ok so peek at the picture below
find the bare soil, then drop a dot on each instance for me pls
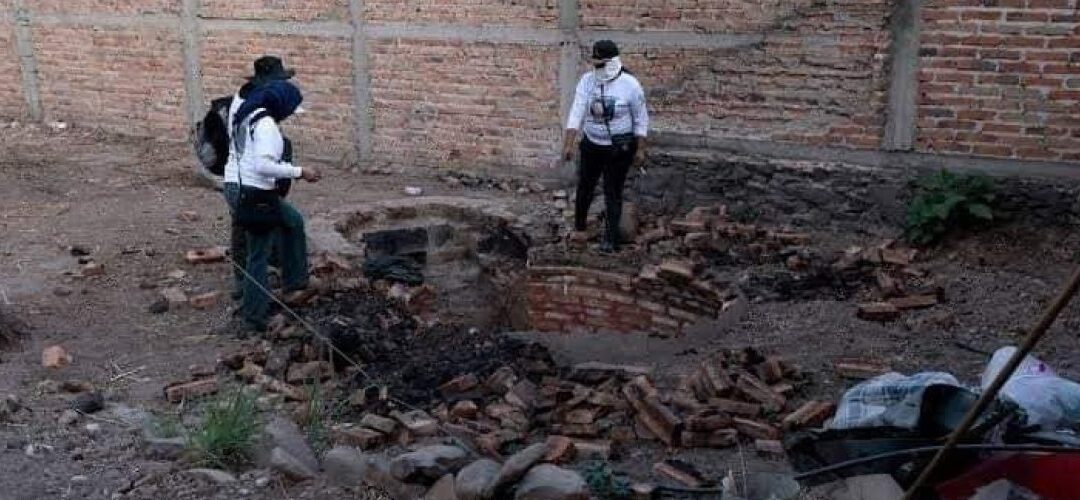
(119, 199)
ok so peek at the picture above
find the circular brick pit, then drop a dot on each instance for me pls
(578, 299)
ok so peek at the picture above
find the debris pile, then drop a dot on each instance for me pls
(477, 181)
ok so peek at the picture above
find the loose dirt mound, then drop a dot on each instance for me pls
(411, 360)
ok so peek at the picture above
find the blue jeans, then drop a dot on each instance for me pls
(291, 241)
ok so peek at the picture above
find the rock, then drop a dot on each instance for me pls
(88, 402)
(292, 467)
(283, 433)
(165, 448)
(68, 418)
(377, 475)
(344, 466)
(418, 422)
(428, 464)
(55, 357)
(213, 475)
(515, 467)
(443, 489)
(381, 424)
(471, 482)
(464, 409)
(360, 437)
(174, 296)
(548, 482)
(178, 392)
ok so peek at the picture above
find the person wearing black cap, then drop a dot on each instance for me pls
(267, 69)
(611, 103)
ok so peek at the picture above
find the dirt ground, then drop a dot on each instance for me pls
(120, 199)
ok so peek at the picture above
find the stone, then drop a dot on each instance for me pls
(292, 467)
(93, 269)
(303, 373)
(381, 424)
(428, 464)
(548, 482)
(344, 466)
(377, 475)
(417, 422)
(471, 481)
(443, 489)
(55, 357)
(363, 438)
(68, 418)
(176, 393)
(283, 433)
(515, 467)
(459, 385)
(213, 475)
(88, 402)
(678, 271)
(523, 395)
(164, 448)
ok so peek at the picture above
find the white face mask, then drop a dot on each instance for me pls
(610, 69)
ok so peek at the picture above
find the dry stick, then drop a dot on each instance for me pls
(1048, 317)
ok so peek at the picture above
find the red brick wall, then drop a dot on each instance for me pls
(574, 299)
(1001, 78)
(738, 16)
(292, 10)
(127, 7)
(324, 74)
(536, 13)
(452, 104)
(121, 79)
(12, 102)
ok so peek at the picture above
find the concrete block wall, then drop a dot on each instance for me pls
(486, 83)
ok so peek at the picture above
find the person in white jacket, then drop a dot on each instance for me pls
(611, 103)
(258, 145)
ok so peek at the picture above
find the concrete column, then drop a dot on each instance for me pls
(365, 123)
(903, 77)
(569, 52)
(191, 30)
(24, 47)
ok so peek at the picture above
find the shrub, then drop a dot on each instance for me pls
(228, 431)
(945, 201)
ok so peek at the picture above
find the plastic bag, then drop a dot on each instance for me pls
(1051, 402)
(864, 405)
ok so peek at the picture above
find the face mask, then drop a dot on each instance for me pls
(608, 70)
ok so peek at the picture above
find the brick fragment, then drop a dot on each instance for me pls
(735, 407)
(205, 255)
(205, 300)
(561, 450)
(176, 393)
(914, 302)
(365, 439)
(860, 369)
(878, 311)
(680, 471)
(755, 429)
(720, 438)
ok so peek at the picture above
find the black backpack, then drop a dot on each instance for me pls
(211, 138)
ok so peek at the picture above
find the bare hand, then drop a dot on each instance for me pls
(639, 158)
(310, 174)
(568, 153)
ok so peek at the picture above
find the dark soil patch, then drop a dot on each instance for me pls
(409, 359)
(11, 329)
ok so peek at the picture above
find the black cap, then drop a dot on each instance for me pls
(605, 49)
(268, 68)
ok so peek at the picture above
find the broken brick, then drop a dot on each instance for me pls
(188, 216)
(708, 420)
(464, 409)
(302, 373)
(581, 416)
(810, 414)
(878, 311)
(889, 287)
(501, 381)
(898, 256)
(205, 255)
(577, 430)
(860, 370)
(785, 389)
(755, 429)
(769, 447)
(205, 300)
(93, 269)
(176, 393)
(677, 271)
(274, 385)
(681, 472)
(735, 407)
(365, 439)
(561, 450)
(417, 422)
(720, 438)
(755, 389)
(699, 241)
(914, 302)
(717, 380)
(459, 385)
(55, 357)
(772, 370)
(594, 372)
(688, 226)
(793, 239)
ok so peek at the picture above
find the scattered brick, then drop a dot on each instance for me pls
(860, 369)
(914, 302)
(55, 357)
(459, 385)
(206, 255)
(678, 271)
(735, 407)
(878, 311)
(720, 438)
(205, 300)
(755, 429)
(680, 471)
(176, 393)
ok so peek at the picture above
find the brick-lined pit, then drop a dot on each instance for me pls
(576, 299)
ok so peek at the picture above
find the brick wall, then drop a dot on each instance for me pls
(1001, 78)
(575, 299)
(324, 74)
(122, 79)
(464, 104)
(998, 78)
(11, 96)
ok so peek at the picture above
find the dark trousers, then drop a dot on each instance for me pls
(291, 242)
(598, 161)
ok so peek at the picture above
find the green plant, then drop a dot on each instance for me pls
(604, 483)
(944, 201)
(165, 426)
(227, 432)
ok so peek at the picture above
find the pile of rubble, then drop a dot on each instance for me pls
(476, 181)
